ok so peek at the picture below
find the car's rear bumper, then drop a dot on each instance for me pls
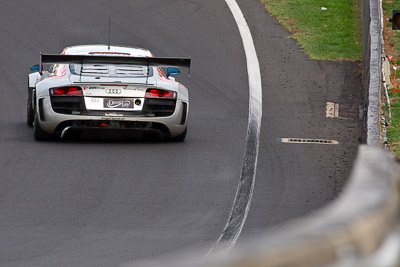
(55, 123)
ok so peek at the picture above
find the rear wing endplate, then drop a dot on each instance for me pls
(145, 61)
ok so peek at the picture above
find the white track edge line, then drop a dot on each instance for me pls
(229, 237)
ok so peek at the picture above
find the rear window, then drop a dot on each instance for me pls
(111, 70)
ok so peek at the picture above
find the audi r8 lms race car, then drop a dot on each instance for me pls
(100, 88)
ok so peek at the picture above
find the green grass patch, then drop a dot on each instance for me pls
(393, 131)
(332, 34)
(392, 47)
(388, 7)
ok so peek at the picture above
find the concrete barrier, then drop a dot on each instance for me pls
(372, 80)
(359, 229)
(352, 228)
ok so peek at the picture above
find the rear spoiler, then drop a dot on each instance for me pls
(146, 61)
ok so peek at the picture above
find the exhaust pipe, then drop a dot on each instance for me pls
(64, 131)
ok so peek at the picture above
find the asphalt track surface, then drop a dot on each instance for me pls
(106, 203)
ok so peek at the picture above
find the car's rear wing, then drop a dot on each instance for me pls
(145, 61)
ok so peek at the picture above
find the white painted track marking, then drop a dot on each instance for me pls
(244, 191)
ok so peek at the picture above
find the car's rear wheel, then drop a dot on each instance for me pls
(38, 132)
(30, 112)
(181, 137)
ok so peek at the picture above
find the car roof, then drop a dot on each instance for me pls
(102, 49)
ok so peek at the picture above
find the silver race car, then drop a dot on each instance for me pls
(100, 88)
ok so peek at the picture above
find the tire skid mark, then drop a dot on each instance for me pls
(244, 192)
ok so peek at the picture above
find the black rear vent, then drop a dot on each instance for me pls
(41, 113)
(159, 107)
(184, 113)
(68, 104)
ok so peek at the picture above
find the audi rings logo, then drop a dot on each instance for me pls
(113, 91)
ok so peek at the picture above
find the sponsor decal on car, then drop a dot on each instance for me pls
(118, 103)
(94, 88)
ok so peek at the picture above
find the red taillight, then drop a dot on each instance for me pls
(58, 91)
(74, 91)
(66, 91)
(159, 93)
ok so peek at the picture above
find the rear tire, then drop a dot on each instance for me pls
(30, 112)
(181, 137)
(38, 132)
